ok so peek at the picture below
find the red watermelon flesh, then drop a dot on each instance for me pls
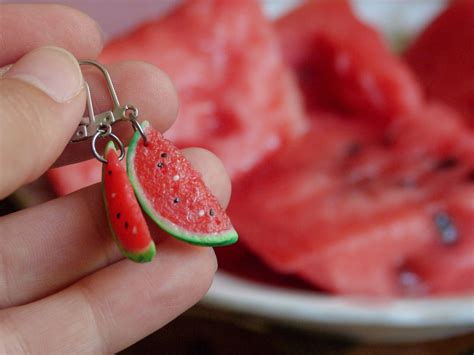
(443, 58)
(343, 65)
(236, 95)
(126, 220)
(362, 205)
(173, 194)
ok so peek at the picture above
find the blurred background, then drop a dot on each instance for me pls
(318, 78)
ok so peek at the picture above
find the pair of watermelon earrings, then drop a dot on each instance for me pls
(157, 179)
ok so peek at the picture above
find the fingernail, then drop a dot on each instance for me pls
(52, 70)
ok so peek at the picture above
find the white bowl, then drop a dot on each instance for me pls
(403, 320)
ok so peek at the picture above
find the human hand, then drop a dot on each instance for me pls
(63, 284)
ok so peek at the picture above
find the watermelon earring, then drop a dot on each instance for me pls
(168, 189)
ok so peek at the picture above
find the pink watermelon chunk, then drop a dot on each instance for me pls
(173, 194)
(126, 220)
(343, 65)
(357, 210)
(237, 98)
(443, 58)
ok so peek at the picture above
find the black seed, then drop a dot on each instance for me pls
(212, 213)
(109, 172)
(353, 149)
(118, 215)
(407, 182)
(176, 200)
(447, 163)
(164, 155)
(160, 165)
(470, 176)
(126, 225)
(446, 228)
(388, 140)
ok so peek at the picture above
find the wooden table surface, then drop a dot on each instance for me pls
(205, 331)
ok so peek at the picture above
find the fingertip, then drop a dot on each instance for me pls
(166, 96)
(212, 171)
(75, 20)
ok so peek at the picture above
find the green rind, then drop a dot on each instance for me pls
(212, 240)
(139, 257)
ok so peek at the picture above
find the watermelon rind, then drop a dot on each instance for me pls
(142, 256)
(224, 238)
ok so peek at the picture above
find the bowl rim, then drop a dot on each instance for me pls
(234, 293)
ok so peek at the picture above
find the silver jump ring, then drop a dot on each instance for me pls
(137, 127)
(101, 134)
(132, 117)
(133, 114)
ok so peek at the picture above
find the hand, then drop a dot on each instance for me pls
(63, 285)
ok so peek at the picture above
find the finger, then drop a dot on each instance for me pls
(48, 247)
(113, 308)
(137, 83)
(212, 171)
(26, 27)
(41, 102)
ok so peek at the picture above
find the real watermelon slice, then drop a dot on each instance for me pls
(173, 194)
(343, 65)
(443, 58)
(237, 97)
(126, 221)
(369, 209)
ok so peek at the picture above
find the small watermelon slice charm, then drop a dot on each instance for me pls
(173, 194)
(126, 220)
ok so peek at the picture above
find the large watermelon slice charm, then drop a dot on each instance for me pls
(173, 194)
(126, 220)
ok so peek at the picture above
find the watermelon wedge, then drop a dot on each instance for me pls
(387, 213)
(443, 58)
(126, 221)
(343, 65)
(173, 194)
(237, 97)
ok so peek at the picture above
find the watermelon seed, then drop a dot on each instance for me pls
(407, 182)
(388, 140)
(446, 227)
(126, 225)
(164, 155)
(160, 165)
(212, 213)
(353, 149)
(470, 176)
(201, 213)
(447, 163)
(176, 200)
(118, 215)
(109, 172)
(176, 178)
(411, 283)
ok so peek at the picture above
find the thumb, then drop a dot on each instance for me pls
(42, 100)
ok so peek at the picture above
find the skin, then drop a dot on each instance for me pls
(64, 287)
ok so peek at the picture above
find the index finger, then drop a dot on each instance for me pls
(25, 27)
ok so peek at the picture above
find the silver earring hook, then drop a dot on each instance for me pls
(108, 79)
(89, 126)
